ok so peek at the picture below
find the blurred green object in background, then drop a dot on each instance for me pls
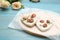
(11, 1)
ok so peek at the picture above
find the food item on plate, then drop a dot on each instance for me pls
(33, 15)
(16, 5)
(29, 20)
(47, 21)
(42, 21)
(44, 24)
(25, 17)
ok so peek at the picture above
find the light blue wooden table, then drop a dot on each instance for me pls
(6, 17)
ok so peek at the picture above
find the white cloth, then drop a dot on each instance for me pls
(15, 22)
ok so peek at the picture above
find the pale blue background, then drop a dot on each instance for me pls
(6, 17)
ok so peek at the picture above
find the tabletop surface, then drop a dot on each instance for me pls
(6, 17)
